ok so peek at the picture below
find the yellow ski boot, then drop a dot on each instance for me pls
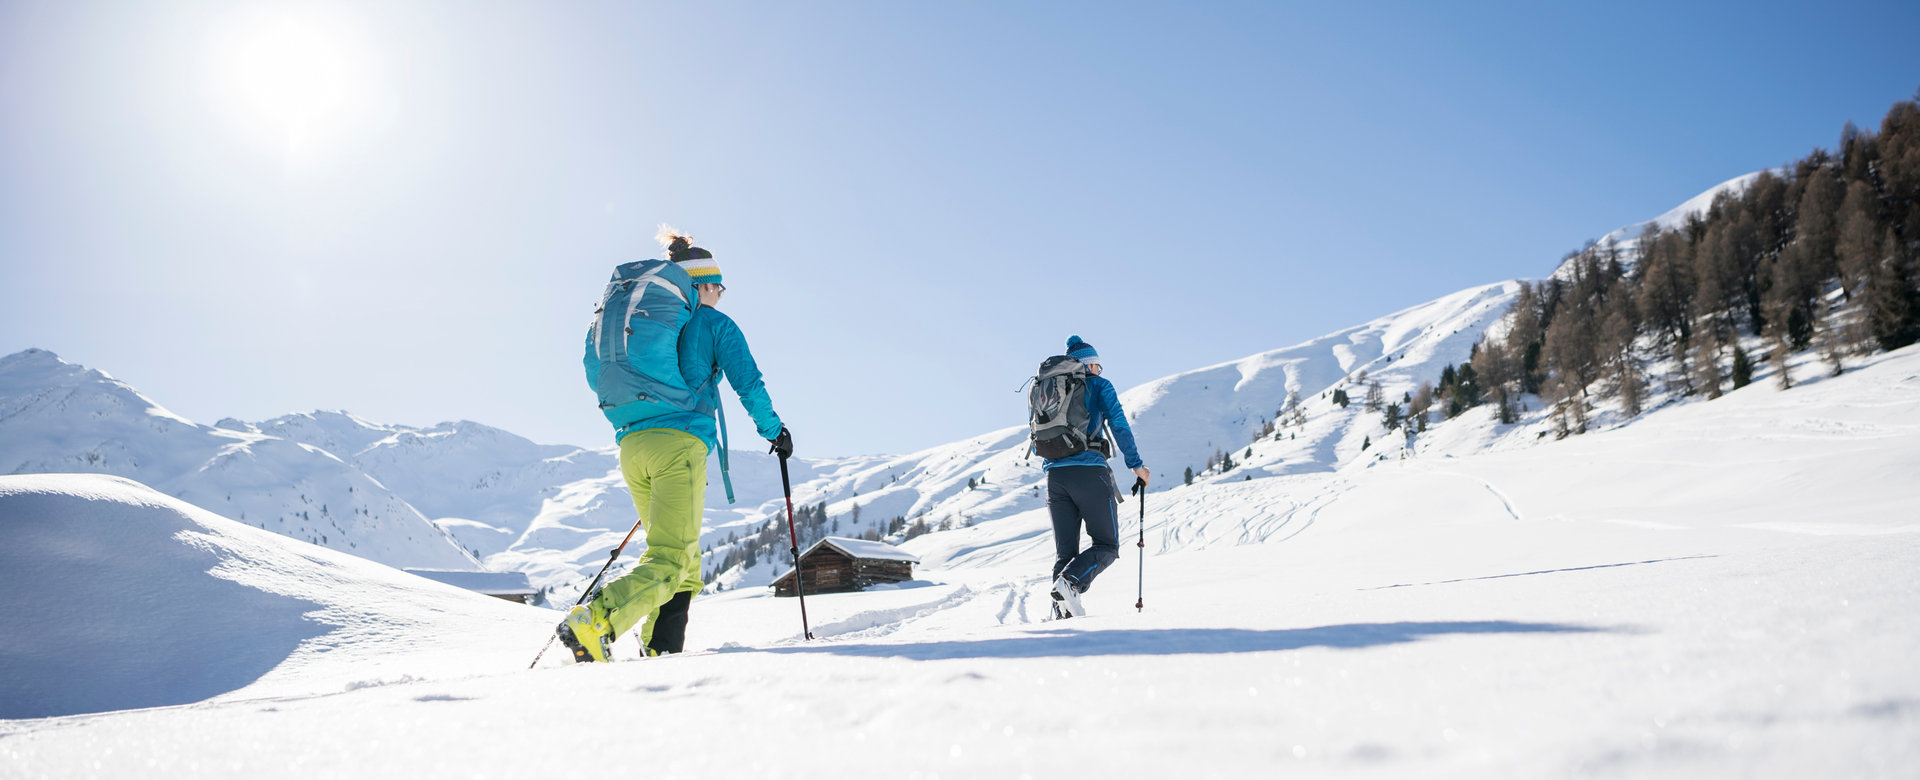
(587, 633)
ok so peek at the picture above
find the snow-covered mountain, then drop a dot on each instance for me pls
(59, 417)
(445, 496)
(480, 483)
(554, 511)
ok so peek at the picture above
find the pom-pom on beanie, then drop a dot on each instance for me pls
(1082, 351)
(697, 262)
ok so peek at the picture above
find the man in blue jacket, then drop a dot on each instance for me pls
(1080, 490)
(664, 461)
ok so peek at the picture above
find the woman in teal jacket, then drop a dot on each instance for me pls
(664, 460)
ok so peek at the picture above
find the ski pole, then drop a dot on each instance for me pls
(799, 588)
(589, 591)
(1140, 600)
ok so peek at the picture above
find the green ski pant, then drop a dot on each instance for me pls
(666, 470)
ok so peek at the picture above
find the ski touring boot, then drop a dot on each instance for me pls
(587, 633)
(1066, 599)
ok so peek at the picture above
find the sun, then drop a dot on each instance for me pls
(294, 80)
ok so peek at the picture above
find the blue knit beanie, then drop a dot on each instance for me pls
(1082, 351)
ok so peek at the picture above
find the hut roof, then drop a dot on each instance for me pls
(491, 583)
(861, 548)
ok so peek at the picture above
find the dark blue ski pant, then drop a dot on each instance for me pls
(1076, 495)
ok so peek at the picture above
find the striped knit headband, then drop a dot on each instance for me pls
(697, 262)
(703, 270)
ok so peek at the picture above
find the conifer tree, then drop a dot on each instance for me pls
(1778, 359)
(1897, 153)
(1421, 402)
(1666, 289)
(1706, 364)
(1742, 368)
(1859, 237)
(1892, 303)
(1830, 349)
(1467, 391)
(1817, 222)
(1632, 389)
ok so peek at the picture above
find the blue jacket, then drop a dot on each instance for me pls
(1103, 407)
(711, 346)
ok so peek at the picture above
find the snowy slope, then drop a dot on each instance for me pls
(60, 417)
(1182, 420)
(1179, 422)
(119, 597)
(1721, 589)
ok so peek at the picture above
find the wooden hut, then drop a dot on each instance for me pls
(837, 564)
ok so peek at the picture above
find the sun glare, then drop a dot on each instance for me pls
(295, 81)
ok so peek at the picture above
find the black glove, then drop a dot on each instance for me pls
(782, 444)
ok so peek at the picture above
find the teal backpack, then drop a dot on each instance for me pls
(633, 345)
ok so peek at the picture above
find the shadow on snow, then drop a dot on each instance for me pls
(1069, 642)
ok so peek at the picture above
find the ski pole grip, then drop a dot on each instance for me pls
(1139, 485)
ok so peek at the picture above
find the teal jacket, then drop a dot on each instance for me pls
(712, 347)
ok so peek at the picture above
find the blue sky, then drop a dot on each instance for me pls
(406, 210)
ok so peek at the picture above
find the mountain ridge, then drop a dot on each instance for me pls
(552, 511)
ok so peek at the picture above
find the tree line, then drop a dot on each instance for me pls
(1823, 255)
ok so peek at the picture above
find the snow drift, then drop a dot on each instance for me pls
(119, 597)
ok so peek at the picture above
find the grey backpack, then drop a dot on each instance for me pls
(1057, 408)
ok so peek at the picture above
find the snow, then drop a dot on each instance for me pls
(119, 597)
(1720, 589)
(860, 548)
(1714, 588)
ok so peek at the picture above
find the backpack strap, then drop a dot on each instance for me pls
(720, 415)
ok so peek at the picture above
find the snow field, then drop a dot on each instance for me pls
(1670, 599)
